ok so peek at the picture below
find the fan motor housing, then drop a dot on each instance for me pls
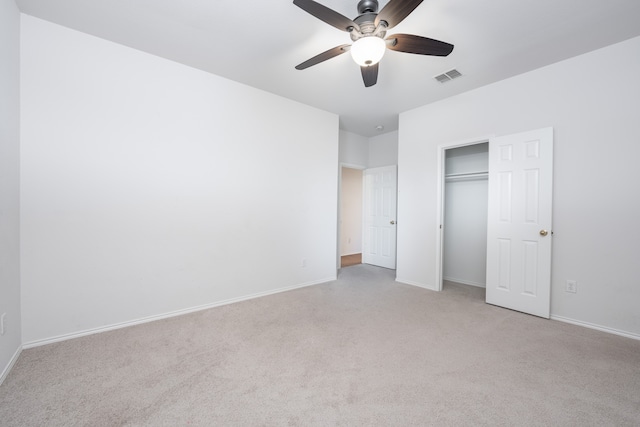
(367, 6)
(367, 25)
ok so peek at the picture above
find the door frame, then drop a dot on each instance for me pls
(440, 194)
(339, 213)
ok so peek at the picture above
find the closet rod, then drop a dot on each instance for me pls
(467, 175)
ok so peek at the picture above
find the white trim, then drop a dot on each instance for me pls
(440, 196)
(465, 282)
(12, 362)
(596, 327)
(416, 284)
(354, 253)
(65, 337)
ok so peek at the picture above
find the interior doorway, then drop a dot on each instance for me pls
(464, 226)
(350, 220)
(463, 170)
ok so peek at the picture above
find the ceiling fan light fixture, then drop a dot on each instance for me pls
(368, 50)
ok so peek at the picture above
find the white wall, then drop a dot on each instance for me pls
(351, 212)
(10, 342)
(594, 114)
(383, 150)
(354, 149)
(149, 187)
(467, 159)
(377, 151)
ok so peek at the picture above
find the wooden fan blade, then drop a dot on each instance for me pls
(338, 50)
(419, 45)
(327, 15)
(370, 75)
(395, 11)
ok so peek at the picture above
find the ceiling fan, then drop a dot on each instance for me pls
(368, 32)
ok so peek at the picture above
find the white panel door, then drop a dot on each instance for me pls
(379, 234)
(519, 221)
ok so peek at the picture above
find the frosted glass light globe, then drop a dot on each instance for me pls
(368, 50)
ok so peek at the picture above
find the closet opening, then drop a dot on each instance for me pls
(463, 220)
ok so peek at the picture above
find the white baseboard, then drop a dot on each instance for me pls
(12, 362)
(596, 327)
(419, 285)
(38, 343)
(465, 282)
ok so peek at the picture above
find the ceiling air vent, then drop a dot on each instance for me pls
(449, 75)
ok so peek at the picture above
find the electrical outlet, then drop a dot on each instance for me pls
(2, 319)
(571, 286)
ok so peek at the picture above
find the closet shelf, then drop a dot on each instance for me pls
(467, 176)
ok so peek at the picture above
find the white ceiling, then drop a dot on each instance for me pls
(259, 43)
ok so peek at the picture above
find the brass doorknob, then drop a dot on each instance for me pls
(392, 222)
(543, 232)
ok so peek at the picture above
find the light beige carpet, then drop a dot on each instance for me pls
(360, 351)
